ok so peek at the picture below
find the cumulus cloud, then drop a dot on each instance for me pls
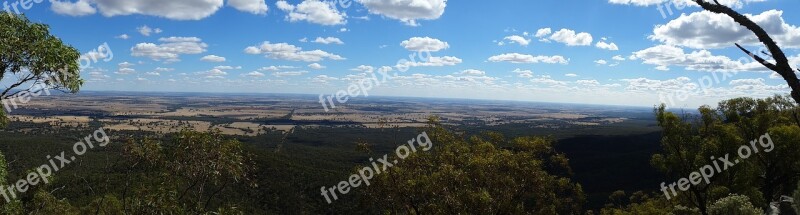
(213, 58)
(252, 6)
(518, 40)
(525, 58)
(323, 79)
(254, 74)
(175, 9)
(571, 38)
(285, 51)
(146, 31)
(431, 61)
(407, 11)
(523, 73)
(316, 12)
(680, 3)
(471, 72)
(664, 56)
(424, 44)
(79, 8)
(707, 30)
(363, 68)
(328, 40)
(169, 49)
(607, 46)
(290, 73)
(543, 32)
(316, 66)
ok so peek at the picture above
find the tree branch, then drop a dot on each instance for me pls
(760, 60)
(781, 66)
(15, 85)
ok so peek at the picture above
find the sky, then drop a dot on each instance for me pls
(617, 52)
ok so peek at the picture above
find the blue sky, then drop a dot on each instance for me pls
(601, 52)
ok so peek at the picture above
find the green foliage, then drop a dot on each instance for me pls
(45, 203)
(106, 205)
(28, 51)
(734, 204)
(643, 204)
(477, 176)
(688, 143)
(192, 170)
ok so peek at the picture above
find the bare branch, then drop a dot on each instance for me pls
(15, 85)
(781, 66)
(760, 60)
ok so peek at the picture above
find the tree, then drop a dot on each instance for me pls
(781, 65)
(477, 175)
(32, 55)
(191, 172)
(690, 143)
(734, 204)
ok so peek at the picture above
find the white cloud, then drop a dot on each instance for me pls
(161, 69)
(524, 58)
(323, 79)
(170, 48)
(79, 8)
(678, 4)
(125, 65)
(588, 82)
(213, 58)
(316, 66)
(227, 67)
(125, 71)
(175, 9)
(607, 46)
(285, 51)
(431, 61)
(707, 30)
(472, 72)
(252, 6)
(328, 40)
(254, 74)
(618, 58)
(571, 75)
(123, 36)
(523, 73)
(571, 38)
(276, 68)
(424, 44)
(407, 11)
(518, 40)
(146, 31)
(363, 68)
(547, 80)
(312, 11)
(541, 33)
(291, 73)
(601, 62)
(664, 56)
